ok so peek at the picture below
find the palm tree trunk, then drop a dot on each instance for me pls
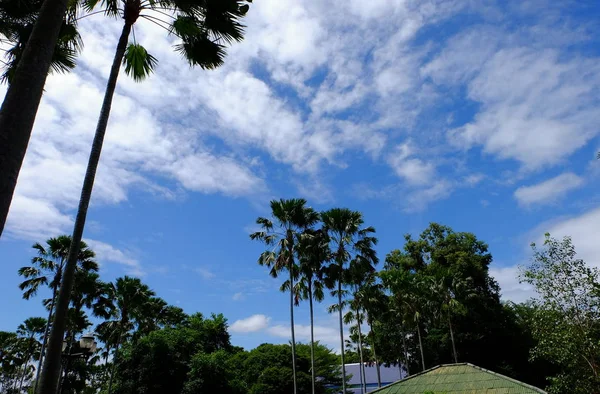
(291, 268)
(27, 357)
(312, 335)
(22, 99)
(112, 369)
(421, 346)
(452, 338)
(405, 354)
(341, 333)
(38, 370)
(50, 373)
(361, 370)
(375, 354)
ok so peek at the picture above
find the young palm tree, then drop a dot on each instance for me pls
(290, 218)
(130, 298)
(47, 269)
(348, 239)
(32, 329)
(203, 26)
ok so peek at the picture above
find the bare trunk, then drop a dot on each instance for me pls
(361, 370)
(38, 369)
(341, 333)
(452, 338)
(50, 373)
(112, 369)
(22, 99)
(405, 354)
(291, 268)
(375, 355)
(312, 335)
(421, 346)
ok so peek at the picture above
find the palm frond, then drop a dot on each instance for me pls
(201, 51)
(139, 64)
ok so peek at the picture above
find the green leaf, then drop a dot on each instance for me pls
(139, 64)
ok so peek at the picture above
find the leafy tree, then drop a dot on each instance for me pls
(348, 239)
(202, 26)
(566, 322)
(484, 334)
(290, 219)
(164, 361)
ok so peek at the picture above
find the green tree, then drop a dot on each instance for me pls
(290, 219)
(348, 239)
(46, 269)
(202, 26)
(566, 323)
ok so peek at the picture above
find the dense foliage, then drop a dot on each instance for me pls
(432, 302)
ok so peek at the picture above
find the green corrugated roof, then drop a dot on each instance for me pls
(458, 379)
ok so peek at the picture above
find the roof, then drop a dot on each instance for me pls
(458, 379)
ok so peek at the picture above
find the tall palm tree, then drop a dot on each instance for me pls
(290, 218)
(202, 26)
(32, 329)
(130, 299)
(47, 269)
(347, 239)
(22, 99)
(17, 20)
(313, 251)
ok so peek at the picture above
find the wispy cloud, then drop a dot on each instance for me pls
(253, 323)
(548, 191)
(204, 272)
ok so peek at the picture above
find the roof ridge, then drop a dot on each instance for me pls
(508, 378)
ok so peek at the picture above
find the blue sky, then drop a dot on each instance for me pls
(479, 115)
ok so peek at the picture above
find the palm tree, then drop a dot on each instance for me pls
(290, 218)
(130, 299)
(18, 18)
(202, 26)
(47, 269)
(313, 251)
(344, 229)
(374, 303)
(444, 290)
(22, 99)
(32, 329)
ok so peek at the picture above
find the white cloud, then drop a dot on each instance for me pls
(412, 170)
(105, 252)
(536, 107)
(510, 288)
(238, 296)
(253, 323)
(548, 191)
(204, 272)
(583, 229)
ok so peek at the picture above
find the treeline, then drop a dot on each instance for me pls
(143, 344)
(434, 302)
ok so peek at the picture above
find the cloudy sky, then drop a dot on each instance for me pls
(482, 115)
